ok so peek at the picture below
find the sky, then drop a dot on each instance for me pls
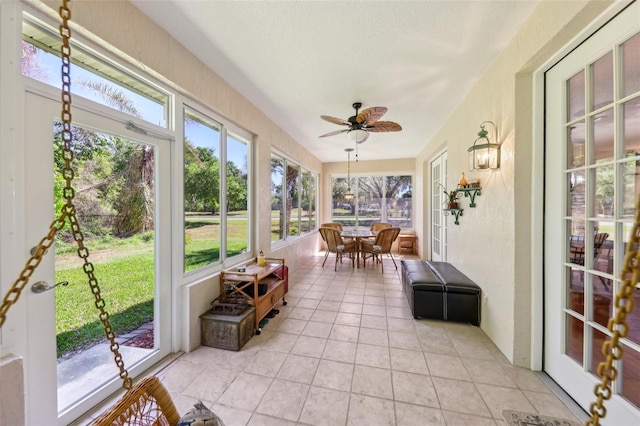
(150, 110)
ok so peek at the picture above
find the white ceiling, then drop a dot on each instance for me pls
(297, 60)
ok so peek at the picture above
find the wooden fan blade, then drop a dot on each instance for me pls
(371, 115)
(335, 120)
(384, 126)
(337, 132)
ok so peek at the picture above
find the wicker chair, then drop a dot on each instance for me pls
(335, 244)
(334, 225)
(379, 226)
(382, 245)
(147, 403)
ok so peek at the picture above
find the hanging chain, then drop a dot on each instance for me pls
(618, 326)
(68, 211)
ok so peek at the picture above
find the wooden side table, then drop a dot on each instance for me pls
(407, 242)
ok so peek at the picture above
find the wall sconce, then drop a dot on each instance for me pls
(349, 195)
(484, 155)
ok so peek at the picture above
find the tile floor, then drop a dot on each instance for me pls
(347, 351)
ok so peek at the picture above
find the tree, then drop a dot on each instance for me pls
(201, 179)
(135, 205)
(29, 63)
(236, 188)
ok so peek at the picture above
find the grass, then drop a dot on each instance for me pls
(124, 268)
(127, 287)
(202, 240)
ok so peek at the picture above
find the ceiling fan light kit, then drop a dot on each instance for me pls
(358, 135)
(362, 123)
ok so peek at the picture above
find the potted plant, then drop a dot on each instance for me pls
(452, 195)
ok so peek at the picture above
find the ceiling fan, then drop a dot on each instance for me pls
(362, 123)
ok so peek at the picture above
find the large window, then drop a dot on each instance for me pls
(378, 199)
(216, 154)
(93, 77)
(293, 199)
(216, 220)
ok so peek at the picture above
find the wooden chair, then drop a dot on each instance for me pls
(598, 240)
(382, 245)
(334, 225)
(576, 247)
(335, 244)
(379, 226)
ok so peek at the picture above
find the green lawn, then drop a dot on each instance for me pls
(127, 287)
(124, 268)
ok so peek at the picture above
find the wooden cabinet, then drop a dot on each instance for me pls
(261, 286)
(407, 242)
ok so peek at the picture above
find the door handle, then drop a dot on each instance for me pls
(42, 286)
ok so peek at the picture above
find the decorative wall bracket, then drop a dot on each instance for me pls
(471, 193)
(454, 212)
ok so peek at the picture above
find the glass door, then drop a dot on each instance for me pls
(592, 183)
(438, 221)
(122, 201)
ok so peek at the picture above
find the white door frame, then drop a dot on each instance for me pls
(579, 385)
(538, 182)
(40, 359)
(438, 253)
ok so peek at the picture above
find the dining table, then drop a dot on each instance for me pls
(358, 235)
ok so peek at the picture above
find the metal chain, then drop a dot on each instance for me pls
(617, 324)
(68, 211)
(14, 292)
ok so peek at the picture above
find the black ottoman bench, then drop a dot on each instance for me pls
(437, 290)
(424, 290)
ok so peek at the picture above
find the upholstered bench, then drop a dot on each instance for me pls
(424, 290)
(437, 290)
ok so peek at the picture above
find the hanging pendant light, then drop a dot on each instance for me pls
(349, 195)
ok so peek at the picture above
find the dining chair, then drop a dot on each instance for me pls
(334, 225)
(576, 247)
(598, 241)
(382, 245)
(335, 244)
(379, 226)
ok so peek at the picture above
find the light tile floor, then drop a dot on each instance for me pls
(346, 350)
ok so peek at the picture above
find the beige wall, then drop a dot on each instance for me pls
(492, 244)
